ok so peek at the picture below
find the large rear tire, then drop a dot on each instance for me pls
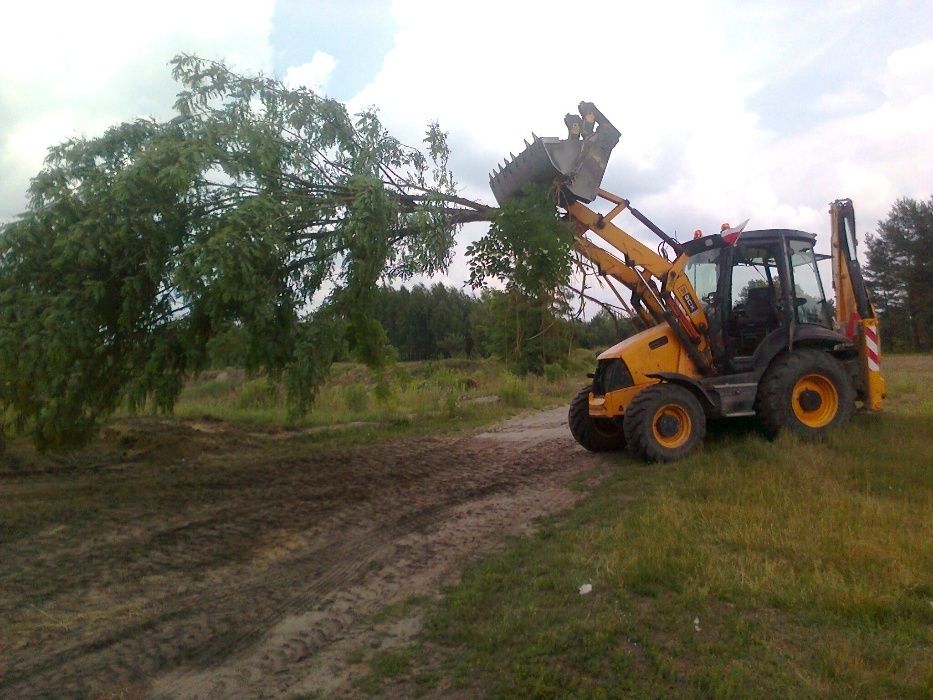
(664, 422)
(595, 434)
(807, 392)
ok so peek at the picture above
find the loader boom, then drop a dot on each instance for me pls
(655, 281)
(577, 164)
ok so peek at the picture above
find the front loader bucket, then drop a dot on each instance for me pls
(576, 164)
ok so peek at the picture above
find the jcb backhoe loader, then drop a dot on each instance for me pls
(737, 324)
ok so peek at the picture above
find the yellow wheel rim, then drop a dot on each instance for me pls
(671, 426)
(815, 400)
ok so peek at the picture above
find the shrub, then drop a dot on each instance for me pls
(258, 394)
(554, 372)
(356, 397)
(513, 391)
(450, 379)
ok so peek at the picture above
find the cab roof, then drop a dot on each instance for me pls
(698, 245)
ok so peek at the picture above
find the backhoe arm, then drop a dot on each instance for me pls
(855, 313)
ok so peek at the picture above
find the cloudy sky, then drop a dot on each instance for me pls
(728, 110)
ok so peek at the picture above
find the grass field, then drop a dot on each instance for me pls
(440, 394)
(752, 569)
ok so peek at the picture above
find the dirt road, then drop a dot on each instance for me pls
(264, 575)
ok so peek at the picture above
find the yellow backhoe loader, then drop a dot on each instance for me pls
(736, 324)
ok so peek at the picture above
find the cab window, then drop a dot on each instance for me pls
(810, 302)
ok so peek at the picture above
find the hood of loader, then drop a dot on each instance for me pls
(575, 164)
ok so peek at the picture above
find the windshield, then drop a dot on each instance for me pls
(702, 270)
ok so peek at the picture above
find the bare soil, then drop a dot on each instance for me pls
(201, 560)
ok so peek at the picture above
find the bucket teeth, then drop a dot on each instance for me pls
(577, 165)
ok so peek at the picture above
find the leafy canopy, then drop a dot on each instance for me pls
(528, 246)
(528, 249)
(900, 274)
(257, 206)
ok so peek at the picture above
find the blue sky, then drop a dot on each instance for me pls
(358, 34)
(728, 110)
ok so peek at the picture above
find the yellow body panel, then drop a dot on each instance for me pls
(642, 360)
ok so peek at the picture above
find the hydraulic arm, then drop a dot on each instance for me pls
(661, 293)
(656, 283)
(855, 313)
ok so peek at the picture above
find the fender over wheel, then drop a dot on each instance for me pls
(664, 422)
(595, 434)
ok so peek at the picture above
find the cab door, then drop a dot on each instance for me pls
(754, 306)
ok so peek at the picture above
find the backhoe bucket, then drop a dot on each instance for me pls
(576, 164)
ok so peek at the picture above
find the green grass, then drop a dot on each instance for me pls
(809, 569)
(432, 395)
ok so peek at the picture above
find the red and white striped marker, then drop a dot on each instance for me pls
(871, 348)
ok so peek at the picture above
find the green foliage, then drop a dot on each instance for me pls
(257, 393)
(514, 391)
(603, 330)
(428, 324)
(356, 397)
(900, 274)
(528, 247)
(527, 333)
(441, 322)
(143, 244)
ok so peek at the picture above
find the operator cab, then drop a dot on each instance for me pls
(756, 288)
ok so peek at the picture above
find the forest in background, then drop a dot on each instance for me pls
(441, 321)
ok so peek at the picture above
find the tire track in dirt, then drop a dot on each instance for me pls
(252, 595)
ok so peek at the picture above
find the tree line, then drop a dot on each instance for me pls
(440, 321)
(899, 273)
(424, 323)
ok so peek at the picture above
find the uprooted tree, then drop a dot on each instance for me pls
(268, 208)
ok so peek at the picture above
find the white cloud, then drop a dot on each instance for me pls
(679, 81)
(910, 73)
(314, 74)
(74, 68)
(668, 80)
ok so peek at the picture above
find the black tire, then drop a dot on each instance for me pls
(664, 422)
(807, 392)
(595, 434)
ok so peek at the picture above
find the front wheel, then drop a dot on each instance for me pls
(807, 392)
(664, 422)
(595, 434)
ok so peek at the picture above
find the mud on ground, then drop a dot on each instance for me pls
(199, 560)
